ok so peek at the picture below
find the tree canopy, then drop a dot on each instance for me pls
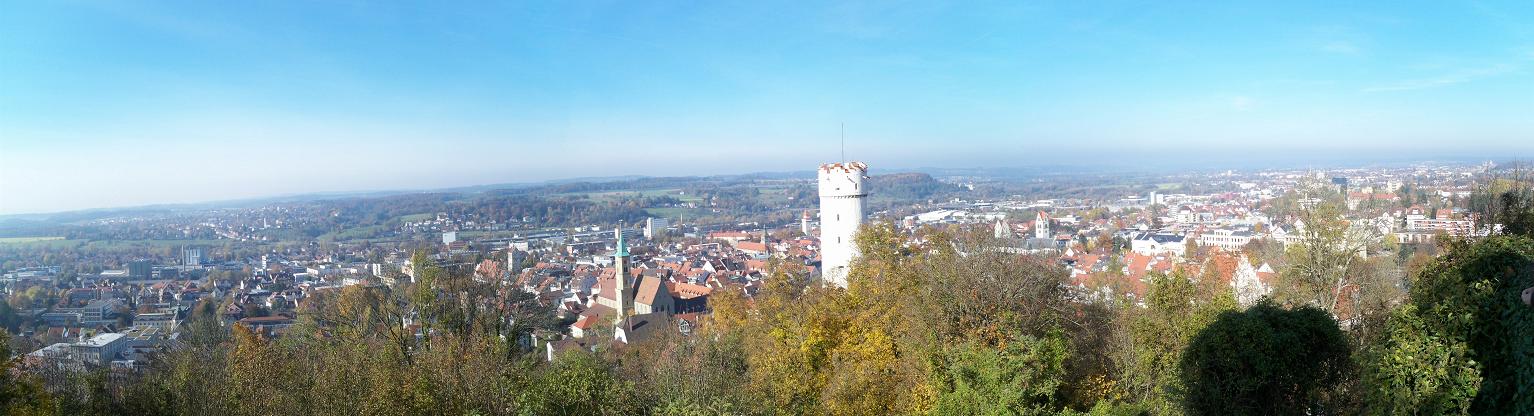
(1265, 360)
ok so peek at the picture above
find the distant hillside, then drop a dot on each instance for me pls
(890, 188)
(908, 187)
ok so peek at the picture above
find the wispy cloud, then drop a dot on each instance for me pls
(1457, 77)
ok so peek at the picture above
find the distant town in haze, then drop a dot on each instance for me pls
(627, 262)
(842, 208)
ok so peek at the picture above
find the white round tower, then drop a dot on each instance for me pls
(842, 193)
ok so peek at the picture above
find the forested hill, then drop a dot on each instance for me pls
(908, 186)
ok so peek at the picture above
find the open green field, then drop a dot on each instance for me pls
(611, 195)
(358, 233)
(772, 195)
(415, 217)
(111, 244)
(22, 240)
(24, 243)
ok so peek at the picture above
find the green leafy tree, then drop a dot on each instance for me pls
(1265, 361)
(579, 383)
(1023, 376)
(1470, 296)
(1415, 371)
(1158, 335)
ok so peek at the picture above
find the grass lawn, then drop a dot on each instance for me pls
(773, 195)
(23, 240)
(610, 195)
(416, 217)
(27, 242)
(110, 244)
(358, 233)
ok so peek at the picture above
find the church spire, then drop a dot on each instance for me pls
(623, 248)
(620, 272)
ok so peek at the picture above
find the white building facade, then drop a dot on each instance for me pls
(842, 194)
(191, 256)
(1156, 244)
(655, 227)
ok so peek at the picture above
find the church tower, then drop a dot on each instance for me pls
(841, 212)
(804, 223)
(1041, 226)
(620, 272)
(512, 261)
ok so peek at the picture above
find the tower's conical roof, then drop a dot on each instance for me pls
(623, 248)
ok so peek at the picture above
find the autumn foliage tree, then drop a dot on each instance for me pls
(948, 321)
(20, 394)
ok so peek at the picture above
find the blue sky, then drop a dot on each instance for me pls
(126, 103)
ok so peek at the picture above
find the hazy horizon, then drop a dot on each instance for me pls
(114, 104)
(1185, 165)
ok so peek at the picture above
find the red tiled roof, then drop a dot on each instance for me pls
(585, 322)
(649, 287)
(607, 287)
(682, 290)
(1138, 265)
(751, 246)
